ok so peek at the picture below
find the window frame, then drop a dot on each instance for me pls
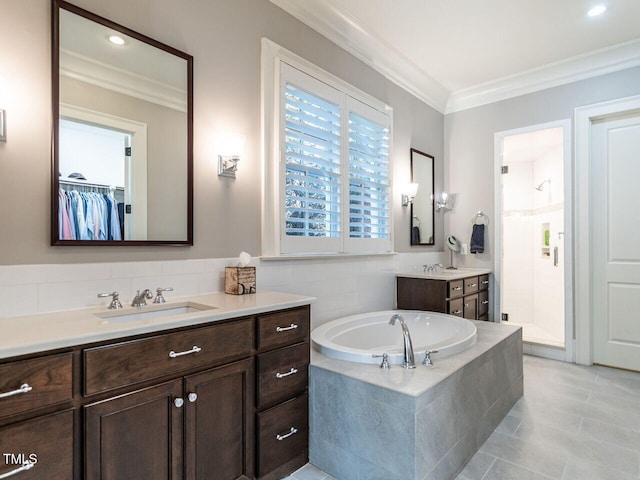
(276, 64)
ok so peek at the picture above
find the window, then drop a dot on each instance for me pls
(328, 184)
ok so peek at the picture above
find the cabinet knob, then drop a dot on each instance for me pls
(178, 402)
(192, 397)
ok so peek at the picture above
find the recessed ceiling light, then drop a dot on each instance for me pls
(597, 10)
(116, 40)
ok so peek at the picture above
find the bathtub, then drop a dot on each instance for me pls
(358, 337)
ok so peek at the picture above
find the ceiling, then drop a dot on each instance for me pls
(456, 54)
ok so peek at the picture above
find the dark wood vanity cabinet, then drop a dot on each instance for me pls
(464, 297)
(233, 408)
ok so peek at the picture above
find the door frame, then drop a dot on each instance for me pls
(569, 350)
(583, 120)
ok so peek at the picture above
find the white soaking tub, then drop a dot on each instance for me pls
(358, 337)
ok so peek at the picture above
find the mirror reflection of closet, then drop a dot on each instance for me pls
(122, 161)
(422, 211)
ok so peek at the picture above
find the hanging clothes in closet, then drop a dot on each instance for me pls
(88, 216)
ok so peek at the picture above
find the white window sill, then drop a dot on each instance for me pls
(323, 256)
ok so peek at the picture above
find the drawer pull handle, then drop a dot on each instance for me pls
(293, 326)
(457, 311)
(485, 302)
(24, 388)
(485, 282)
(457, 288)
(195, 349)
(23, 468)
(472, 284)
(290, 372)
(293, 431)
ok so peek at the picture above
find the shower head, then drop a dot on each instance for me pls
(539, 187)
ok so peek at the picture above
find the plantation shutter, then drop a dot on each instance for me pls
(312, 165)
(369, 179)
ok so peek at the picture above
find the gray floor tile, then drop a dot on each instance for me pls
(309, 472)
(606, 432)
(477, 467)
(501, 470)
(585, 470)
(509, 424)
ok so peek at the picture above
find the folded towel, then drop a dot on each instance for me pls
(477, 239)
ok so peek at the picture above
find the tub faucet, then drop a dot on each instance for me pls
(409, 360)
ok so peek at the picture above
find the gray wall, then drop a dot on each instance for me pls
(224, 38)
(469, 147)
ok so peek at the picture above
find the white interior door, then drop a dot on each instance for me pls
(615, 232)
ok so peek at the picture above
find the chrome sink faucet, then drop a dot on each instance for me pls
(140, 300)
(431, 268)
(409, 360)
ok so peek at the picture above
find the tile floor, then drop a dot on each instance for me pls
(573, 423)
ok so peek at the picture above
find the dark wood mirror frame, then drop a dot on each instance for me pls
(55, 240)
(423, 194)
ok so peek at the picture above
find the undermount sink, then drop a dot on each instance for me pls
(153, 311)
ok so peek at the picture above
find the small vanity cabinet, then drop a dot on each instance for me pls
(224, 400)
(282, 400)
(463, 295)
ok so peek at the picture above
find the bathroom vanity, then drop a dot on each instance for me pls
(216, 394)
(461, 292)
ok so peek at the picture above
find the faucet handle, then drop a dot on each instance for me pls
(159, 297)
(427, 358)
(385, 360)
(115, 301)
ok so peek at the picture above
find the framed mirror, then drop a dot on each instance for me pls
(422, 211)
(122, 168)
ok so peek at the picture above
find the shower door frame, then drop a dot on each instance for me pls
(569, 323)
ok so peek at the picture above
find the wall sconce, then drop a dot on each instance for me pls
(409, 194)
(445, 202)
(229, 151)
(3, 123)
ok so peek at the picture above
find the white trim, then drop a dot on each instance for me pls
(568, 351)
(583, 119)
(272, 209)
(335, 23)
(592, 64)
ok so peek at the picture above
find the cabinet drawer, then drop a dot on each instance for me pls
(282, 433)
(483, 303)
(483, 282)
(29, 384)
(46, 440)
(127, 363)
(471, 285)
(455, 307)
(456, 288)
(284, 328)
(282, 374)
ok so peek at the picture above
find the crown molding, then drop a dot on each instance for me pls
(336, 24)
(581, 67)
(100, 74)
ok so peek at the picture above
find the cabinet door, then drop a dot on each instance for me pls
(471, 307)
(137, 435)
(45, 442)
(219, 423)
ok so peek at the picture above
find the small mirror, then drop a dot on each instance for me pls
(422, 221)
(123, 135)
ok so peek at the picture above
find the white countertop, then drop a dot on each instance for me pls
(38, 333)
(444, 274)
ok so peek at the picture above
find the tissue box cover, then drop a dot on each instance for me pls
(239, 280)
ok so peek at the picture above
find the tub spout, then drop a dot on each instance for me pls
(409, 360)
